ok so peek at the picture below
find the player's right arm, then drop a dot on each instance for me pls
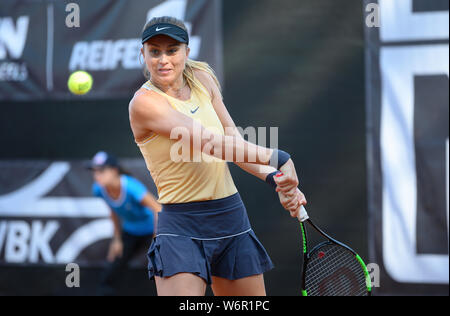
(117, 226)
(288, 183)
(116, 245)
(151, 112)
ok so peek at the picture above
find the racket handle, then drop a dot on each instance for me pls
(302, 214)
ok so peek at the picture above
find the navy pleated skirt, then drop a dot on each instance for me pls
(210, 238)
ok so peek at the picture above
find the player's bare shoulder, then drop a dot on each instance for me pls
(206, 80)
(144, 106)
(143, 102)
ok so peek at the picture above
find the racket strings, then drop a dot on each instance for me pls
(332, 270)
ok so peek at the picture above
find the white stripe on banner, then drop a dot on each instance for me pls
(28, 202)
(39, 186)
(82, 238)
(399, 65)
(398, 22)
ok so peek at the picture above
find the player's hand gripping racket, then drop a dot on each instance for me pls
(331, 268)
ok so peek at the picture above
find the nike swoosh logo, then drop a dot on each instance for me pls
(163, 28)
(195, 111)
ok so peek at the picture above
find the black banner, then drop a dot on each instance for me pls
(42, 42)
(408, 138)
(49, 216)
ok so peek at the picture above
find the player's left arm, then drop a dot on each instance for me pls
(289, 200)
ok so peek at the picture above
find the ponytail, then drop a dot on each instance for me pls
(192, 81)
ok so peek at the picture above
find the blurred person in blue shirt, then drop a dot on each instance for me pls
(133, 211)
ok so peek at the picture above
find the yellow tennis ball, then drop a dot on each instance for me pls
(80, 82)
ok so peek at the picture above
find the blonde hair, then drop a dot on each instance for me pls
(191, 65)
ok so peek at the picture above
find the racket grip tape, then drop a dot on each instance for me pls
(302, 214)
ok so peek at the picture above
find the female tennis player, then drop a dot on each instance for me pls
(133, 212)
(203, 234)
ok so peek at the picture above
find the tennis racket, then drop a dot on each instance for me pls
(331, 268)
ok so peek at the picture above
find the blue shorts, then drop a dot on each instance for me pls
(210, 238)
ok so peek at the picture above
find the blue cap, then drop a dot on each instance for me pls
(103, 159)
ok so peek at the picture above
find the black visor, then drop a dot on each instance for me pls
(173, 31)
